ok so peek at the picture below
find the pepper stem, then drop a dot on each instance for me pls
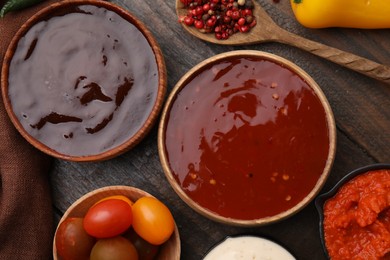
(297, 1)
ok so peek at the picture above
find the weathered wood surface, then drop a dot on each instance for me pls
(361, 106)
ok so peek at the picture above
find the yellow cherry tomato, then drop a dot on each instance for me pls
(117, 197)
(152, 220)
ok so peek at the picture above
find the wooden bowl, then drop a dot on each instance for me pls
(170, 250)
(323, 198)
(111, 90)
(197, 176)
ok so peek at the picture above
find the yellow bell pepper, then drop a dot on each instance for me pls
(364, 14)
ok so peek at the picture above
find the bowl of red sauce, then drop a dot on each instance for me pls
(83, 80)
(246, 138)
(355, 215)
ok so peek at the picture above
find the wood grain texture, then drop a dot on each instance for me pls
(361, 107)
(348, 60)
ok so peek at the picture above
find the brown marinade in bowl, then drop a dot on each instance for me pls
(83, 79)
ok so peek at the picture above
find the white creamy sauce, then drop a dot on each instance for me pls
(248, 248)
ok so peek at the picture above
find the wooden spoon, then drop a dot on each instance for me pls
(267, 30)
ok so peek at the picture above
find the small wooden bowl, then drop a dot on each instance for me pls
(127, 140)
(175, 94)
(170, 250)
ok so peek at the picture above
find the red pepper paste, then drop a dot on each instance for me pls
(357, 218)
(247, 138)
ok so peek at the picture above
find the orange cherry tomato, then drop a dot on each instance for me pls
(119, 197)
(108, 218)
(152, 220)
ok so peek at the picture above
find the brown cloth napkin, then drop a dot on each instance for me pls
(26, 215)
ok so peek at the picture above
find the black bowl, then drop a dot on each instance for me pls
(320, 200)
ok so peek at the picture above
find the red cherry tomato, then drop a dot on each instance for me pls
(152, 220)
(118, 248)
(108, 218)
(72, 242)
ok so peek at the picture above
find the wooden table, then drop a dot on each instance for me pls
(361, 107)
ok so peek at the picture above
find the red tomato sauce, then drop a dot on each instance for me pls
(247, 138)
(357, 218)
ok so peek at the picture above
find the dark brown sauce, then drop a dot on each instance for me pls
(55, 118)
(83, 80)
(94, 93)
(247, 138)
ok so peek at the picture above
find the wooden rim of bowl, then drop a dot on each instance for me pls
(171, 249)
(160, 97)
(266, 220)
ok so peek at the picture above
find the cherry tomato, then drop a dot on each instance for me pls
(119, 197)
(146, 251)
(152, 220)
(72, 242)
(108, 218)
(118, 248)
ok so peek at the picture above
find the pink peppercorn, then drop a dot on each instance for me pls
(199, 24)
(189, 20)
(199, 10)
(241, 21)
(235, 15)
(221, 17)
